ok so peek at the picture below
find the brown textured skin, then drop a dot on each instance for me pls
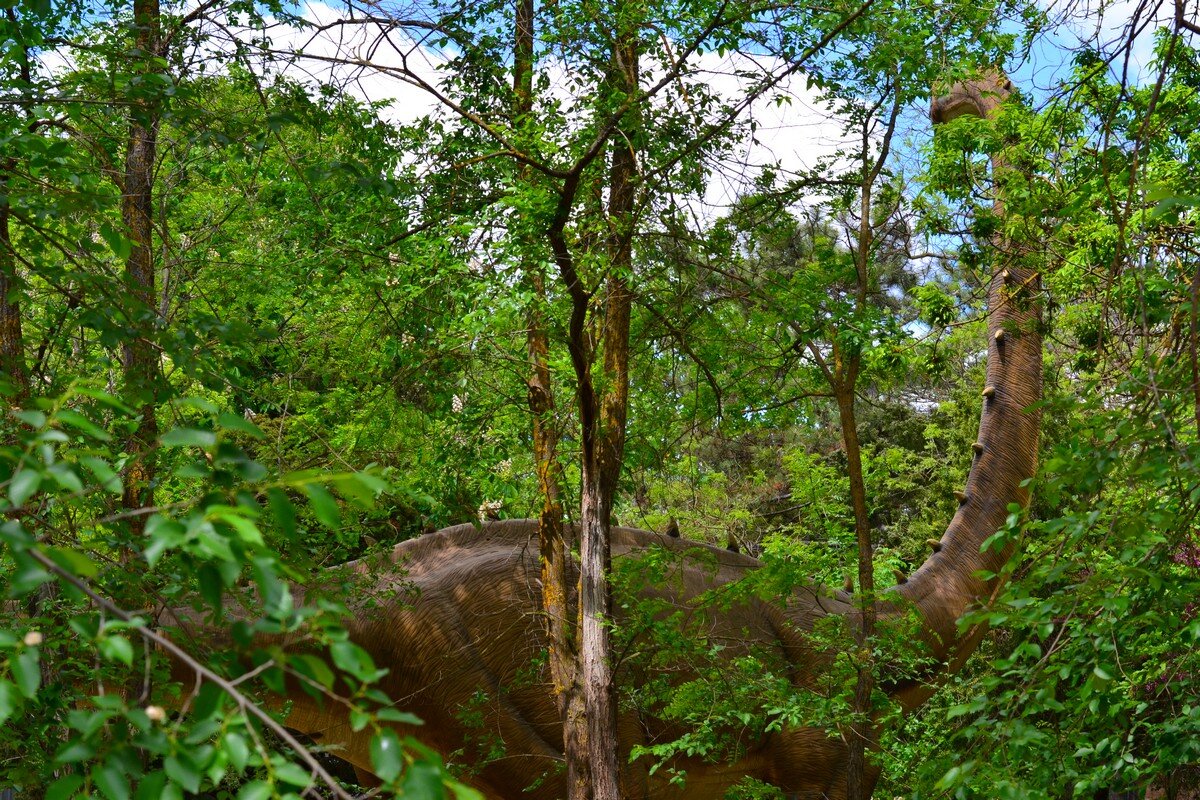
(455, 616)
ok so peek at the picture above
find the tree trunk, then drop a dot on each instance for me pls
(860, 779)
(139, 359)
(12, 341)
(553, 546)
(602, 460)
(861, 734)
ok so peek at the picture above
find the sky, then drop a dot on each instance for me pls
(793, 135)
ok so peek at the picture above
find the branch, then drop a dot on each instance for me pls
(677, 334)
(201, 671)
(766, 86)
(410, 77)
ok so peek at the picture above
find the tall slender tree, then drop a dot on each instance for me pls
(12, 340)
(139, 356)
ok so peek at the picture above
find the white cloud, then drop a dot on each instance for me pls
(792, 129)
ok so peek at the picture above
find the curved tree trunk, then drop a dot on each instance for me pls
(1005, 455)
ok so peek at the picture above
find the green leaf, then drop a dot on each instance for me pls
(73, 751)
(233, 422)
(283, 511)
(239, 752)
(362, 488)
(181, 770)
(255, 790)
(208, 702)
(104, 397)
(152, 787)
(81, 423)
(64, 787)
(323, 505)
(211, 584)
(188, 437)
(313, 667)
(111, 781)
(163, 534)
(73, 561)
(423, 781)
(26, 672)
(293, 774)
(351, 658)
(23, 485)
(387, 756)
(65, 477)
(117, 648)
(120, 245)
(29, 574)
(464, 792)
(34, 419)
(8, 700)
(107, 477)
(396, 715)
(245, 528)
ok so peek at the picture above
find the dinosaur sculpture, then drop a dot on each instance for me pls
(457, 620)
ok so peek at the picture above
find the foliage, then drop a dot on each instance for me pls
(340, 327)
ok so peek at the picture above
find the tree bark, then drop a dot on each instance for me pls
(860, 782)
(139, 360)
(553, 545)
(12, 340)
(602, 459)
(860, 739)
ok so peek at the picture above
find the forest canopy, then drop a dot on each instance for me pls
(284, 286)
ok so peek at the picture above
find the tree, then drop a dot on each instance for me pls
(87, 240)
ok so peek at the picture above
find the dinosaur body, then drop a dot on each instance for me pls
(457, 621)
(456, 616)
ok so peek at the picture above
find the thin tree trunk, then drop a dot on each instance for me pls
(139, 360)
(552, 542)
(12, 340)
(1192, 348)
(860, 779)
(602, 461)
(862, 730)
(555, 554)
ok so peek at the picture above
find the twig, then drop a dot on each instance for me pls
(202, 672)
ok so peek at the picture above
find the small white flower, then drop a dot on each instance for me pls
(456, 404)
(97, 238)
(156, 713)
(33, 639)
(504, 467)
(407, 339)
